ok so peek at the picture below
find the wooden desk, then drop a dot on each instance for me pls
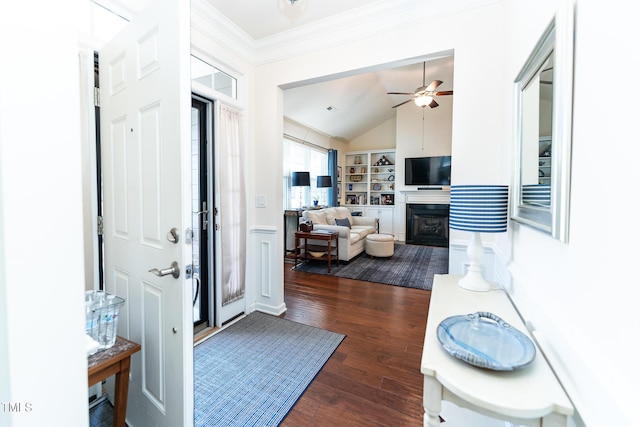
(302, 250)
(529, 396)
(115, 360)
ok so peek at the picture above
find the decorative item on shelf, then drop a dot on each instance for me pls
(391, 186)
(352, 170)
(546, 152)
(351, 199)
(387, 199)
(355, 178)
(478, 209)
(306, 226)
(390, 170)
(383, 161)
(358, 160)
(317, 254)
(377, 187)
(376, 170)
(300, 179)
(375, 200)
(391, 178)
(363, 170)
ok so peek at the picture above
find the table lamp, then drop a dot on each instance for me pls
(323, 181)
(478, 209)
(300, 179)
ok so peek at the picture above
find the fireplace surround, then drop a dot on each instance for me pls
(428, 224)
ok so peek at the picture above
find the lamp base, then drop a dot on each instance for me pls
(473, 280)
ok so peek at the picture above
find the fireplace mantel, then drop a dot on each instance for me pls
(435, 196)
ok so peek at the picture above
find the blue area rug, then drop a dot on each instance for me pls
(411, 266)
(254, 371)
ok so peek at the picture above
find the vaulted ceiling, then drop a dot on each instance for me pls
(347, 107)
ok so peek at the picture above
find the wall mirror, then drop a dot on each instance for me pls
(543, 92)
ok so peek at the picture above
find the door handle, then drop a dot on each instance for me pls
(172, 235)
(174, 270)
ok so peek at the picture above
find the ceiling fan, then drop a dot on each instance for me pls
(424, 95)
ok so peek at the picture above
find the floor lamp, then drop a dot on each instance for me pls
(478, 209)
(300, 179)
(323, 181)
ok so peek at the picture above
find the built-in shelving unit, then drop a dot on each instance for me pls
(369, 185)
(369, 178)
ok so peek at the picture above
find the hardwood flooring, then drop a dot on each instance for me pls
(373, 379)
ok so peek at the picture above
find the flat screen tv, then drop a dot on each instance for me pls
(427, 170)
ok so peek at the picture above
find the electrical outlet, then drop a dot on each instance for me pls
(261, 201)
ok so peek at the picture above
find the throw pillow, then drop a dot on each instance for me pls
(343, 221)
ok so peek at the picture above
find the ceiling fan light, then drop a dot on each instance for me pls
(423, 101)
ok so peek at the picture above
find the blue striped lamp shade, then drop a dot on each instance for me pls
(538, 195)
(479, 208)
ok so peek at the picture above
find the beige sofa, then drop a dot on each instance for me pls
(351, 240)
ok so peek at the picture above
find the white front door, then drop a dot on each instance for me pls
(145, 120)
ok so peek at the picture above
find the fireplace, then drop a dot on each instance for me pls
(428, 224)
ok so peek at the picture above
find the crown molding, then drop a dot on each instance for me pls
(354, 24)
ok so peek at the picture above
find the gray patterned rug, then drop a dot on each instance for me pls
(253, 372)
(411, 266)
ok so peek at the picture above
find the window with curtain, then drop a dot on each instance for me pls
(303, 157)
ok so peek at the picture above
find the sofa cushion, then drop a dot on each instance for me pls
(343, 221)
(339, 212)
(360, 232)
(317, 217)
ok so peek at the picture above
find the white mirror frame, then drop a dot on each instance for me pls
(559, 38)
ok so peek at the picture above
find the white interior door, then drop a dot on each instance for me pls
(145, 119)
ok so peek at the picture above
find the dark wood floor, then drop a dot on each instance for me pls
(373, 378)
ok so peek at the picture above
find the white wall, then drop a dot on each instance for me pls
(381, 137)
(304, 133)
(582, 296)
(43, 365)
(423, 132)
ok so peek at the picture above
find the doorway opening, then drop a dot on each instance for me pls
(202, 185)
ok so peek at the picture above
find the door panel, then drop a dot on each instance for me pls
(144, 82)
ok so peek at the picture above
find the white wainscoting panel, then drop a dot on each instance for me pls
(265, 281)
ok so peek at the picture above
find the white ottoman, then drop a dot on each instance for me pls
(379, 245)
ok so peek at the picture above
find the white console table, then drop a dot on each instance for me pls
(530, 396)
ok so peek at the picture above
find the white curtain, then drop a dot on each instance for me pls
(232, 205)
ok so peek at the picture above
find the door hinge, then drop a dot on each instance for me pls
(100, 226)
(96, 96)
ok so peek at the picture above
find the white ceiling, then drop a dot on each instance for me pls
(264, 18)
(357, 103)
(361, 102)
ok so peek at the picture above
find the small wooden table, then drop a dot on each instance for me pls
(329, 237)
(115, 360)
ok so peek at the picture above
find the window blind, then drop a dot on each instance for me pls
(301, 156)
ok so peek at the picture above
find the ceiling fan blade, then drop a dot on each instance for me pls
(402, 103)
(444, 92)
(433, 104)
(400, 93)
(433, 85)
